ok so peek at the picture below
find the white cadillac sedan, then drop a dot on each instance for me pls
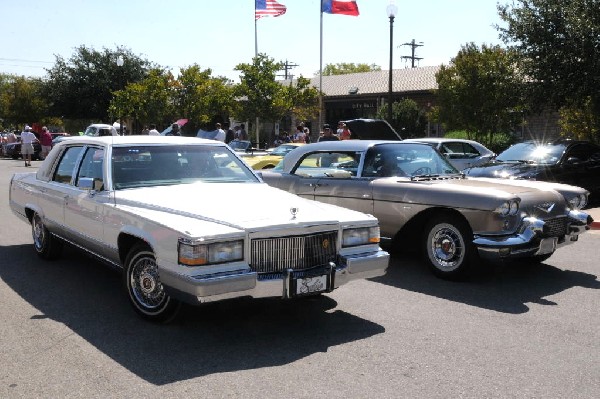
(460, 153)
(187, 220)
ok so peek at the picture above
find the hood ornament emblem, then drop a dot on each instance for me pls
(294, 212)
(546, 207)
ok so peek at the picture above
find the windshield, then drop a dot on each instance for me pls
(240, 144)
(154, 165)
(533, 152)
(405, 159)
(283, 149)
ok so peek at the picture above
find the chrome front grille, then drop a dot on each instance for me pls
(556, 227)
(274, 255)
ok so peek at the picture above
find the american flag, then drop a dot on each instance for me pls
(268, 8)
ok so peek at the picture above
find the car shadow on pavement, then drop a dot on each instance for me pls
(506, 288)
(228, 336)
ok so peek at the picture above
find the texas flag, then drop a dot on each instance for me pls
(268, 8)
(345, 7)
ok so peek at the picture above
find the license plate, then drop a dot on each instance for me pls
(547, 246)
(310, 285)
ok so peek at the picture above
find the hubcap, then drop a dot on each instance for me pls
(447, 248)
(38, 232)
(145, 284)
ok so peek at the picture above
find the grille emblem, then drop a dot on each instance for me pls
(325, 243)
(546, 207)
(294, 212)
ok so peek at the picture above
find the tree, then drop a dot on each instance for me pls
(21, 101)
(407, 118)
(83, 86)
(558, 42)
(202, 98)
(147, 101)
(260, 95)
(480, 92)
(345, 68)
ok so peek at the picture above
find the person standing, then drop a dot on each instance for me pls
(153, 131)
(220, 133)
(229, 134)
(27, 139)
(243, 135)
(328, 134)
(45, 141)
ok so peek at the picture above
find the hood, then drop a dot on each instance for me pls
(244, 206)
(372, 129)
(503, 169)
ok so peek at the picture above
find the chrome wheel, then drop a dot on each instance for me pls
(45, 244)
(146, 292)
(448, 247)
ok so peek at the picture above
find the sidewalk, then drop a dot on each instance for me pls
(595, 214)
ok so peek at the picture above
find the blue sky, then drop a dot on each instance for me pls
(219, 34)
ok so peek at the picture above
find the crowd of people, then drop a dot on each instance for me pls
(302, 134)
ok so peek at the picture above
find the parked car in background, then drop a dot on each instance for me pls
(563, 161)
(13, 150)
(100, 129)
(133, 202)
(371, 129)
(245, 148)
(271, 159)
(461, 153)
(423, 202)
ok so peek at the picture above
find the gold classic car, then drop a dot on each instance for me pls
(166, 210)
(423, 202)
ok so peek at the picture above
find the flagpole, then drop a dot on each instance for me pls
(320, 71)
(255, 56)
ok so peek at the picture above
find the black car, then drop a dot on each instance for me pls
(13, 150)
(563, 161)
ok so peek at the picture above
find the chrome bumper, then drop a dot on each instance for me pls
(247, 283)
(530, 240)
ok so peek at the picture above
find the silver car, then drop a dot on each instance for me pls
(423, 202)
(166, 210)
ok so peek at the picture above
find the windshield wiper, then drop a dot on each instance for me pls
(426, 176)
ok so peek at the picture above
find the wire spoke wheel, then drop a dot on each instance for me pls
(144, 288)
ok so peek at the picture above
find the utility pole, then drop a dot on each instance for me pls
(287, 67)
(412, 57)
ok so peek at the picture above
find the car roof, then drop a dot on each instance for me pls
(140, 140)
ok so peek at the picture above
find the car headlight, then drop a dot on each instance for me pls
(578, 202)
(199, 254)
(508, 208)
(360, 236)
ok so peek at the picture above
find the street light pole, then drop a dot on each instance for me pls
(391, 12)
(120, 62)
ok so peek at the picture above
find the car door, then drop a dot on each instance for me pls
(581, 166)
(341, 184)
(85, 209)
(54, 194)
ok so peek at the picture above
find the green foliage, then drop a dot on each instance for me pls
(21, 101)
(82, 87)
(407, 118)
(480, 92)
(558, 42)
(498, 143)
(580, 121)
(345, 68)
(260, 95)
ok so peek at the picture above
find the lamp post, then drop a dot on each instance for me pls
(120, 62)
(391, 12)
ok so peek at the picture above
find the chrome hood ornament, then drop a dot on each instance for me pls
(546, 207)
(294, 211)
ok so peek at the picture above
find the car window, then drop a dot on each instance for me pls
(389, 160)
(459, 150)
(583, 152)
(532, 152)
(91, 167)
(65, 168)
(335, 164)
